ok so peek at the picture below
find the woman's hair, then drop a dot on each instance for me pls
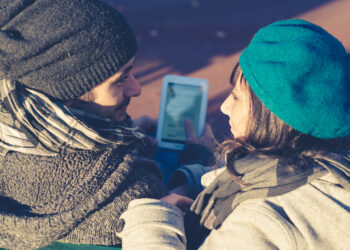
(269, 136)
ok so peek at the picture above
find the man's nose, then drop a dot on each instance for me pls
(132, 87)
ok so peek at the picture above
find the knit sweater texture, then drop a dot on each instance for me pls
(76, 197)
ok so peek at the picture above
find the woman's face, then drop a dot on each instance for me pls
(237, 108)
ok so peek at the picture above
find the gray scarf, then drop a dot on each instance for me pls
(30, 122)
(75, 191)
(264, 177)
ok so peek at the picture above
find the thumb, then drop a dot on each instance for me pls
(153, 141)
(189, 129)
(184, 204)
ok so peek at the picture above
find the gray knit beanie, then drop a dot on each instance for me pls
(62, 48)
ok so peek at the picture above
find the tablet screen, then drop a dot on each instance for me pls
(182, 102)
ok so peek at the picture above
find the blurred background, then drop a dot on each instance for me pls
(203, 38)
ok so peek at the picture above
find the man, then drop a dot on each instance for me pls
(69, 160)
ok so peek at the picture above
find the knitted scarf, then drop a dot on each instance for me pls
(263, 177)
(86, 168)
(30, 122)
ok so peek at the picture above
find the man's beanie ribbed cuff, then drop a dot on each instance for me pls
(95, 73)
(62, 48)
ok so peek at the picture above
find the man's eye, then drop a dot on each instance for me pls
(122, 80)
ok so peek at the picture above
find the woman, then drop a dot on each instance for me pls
(286, 181)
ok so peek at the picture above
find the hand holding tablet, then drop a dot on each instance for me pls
(182, 98)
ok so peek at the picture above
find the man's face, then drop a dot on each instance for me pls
(111, 97)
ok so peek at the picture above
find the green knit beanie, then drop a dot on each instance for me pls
(301, 73)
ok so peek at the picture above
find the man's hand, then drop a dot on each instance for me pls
(182, 202)
(181, 190)
(207, 138)
(146, 124)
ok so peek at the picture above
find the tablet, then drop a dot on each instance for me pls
(182, 98)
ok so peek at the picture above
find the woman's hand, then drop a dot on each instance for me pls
(207, 138)
(182, 202)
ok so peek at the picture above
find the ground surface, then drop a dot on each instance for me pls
(203, 38)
